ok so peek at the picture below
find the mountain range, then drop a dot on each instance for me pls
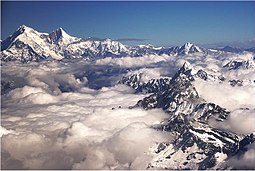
(27, 44)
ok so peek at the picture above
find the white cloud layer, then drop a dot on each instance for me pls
(240, 121)
(226, 95)
(132, 61)
(83, 129)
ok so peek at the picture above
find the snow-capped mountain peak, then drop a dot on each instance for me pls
(24, 28)
(21, 33)
(187, 69)
(187, 66)
(188, 45)
(60, 36)
(27, 44)
(26, 31)
(189, 48)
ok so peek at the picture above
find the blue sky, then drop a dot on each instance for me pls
(158, 23)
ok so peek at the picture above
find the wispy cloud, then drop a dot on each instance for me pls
(239, 44)
(131, 40)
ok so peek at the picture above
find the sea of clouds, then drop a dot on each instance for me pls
(52, 120)
(74, 115)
